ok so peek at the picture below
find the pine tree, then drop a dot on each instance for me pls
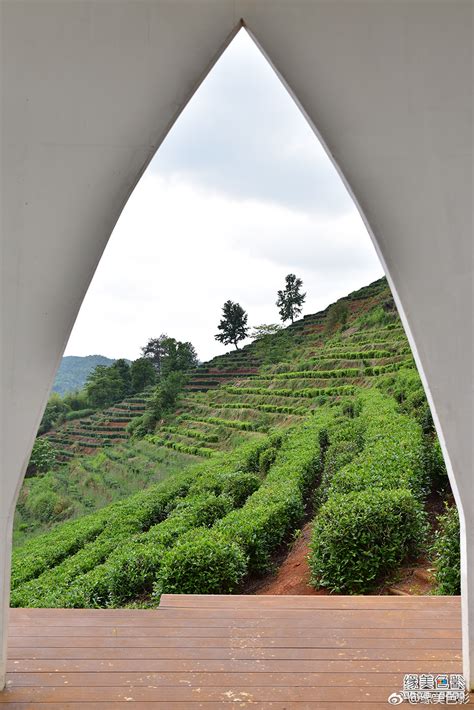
(233, 324)
(290, 300)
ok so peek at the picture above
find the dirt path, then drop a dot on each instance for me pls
(293, 574)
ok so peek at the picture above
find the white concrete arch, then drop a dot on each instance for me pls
(90, 90)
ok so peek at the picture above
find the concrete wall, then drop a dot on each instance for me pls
(89, 91)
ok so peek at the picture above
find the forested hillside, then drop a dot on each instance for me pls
(74, 371)
(325, 420)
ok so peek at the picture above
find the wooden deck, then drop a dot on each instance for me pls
(279, 652)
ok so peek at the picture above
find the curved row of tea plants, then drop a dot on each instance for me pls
(217, 560)
(70, 566)
(371, 517)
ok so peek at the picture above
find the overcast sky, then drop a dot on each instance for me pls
(240, 194)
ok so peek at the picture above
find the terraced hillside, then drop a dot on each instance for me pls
(314, 367)
(105, 428)
(329, 421)
(272, 382)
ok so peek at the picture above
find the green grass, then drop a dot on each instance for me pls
(87, 483)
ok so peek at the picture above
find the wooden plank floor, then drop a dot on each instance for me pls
(281, 652)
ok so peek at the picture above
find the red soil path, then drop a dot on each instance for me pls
(293, 575)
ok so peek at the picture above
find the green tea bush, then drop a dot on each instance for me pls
(393, 453)
(261, 528)
(78, 414)
(435, 463)
(344, 443)
(337, 373)
(353, 355)
(390, 462)
(192, 434)
(139, 511)
(239, 485)
(447, 555)
(114, 555)
(203, 451)
(131, 571)
(359, 536)
(280, 392)
(49, 549)
(277, 508)
(202, 562)
(230, 423)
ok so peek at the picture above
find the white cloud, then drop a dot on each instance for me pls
(240, 194)
(178, 252)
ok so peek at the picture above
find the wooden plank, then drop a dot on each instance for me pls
(250, 617)
(196, 601)
(219, 652)
(236, 631)
(234, 602)
(201, 680)
(63, 694)
(422, 640)
(265, 665)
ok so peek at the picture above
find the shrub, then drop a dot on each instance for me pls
(267, 459)
(48, 506)
(393, 453)
(273, 512)
(261, 528)
(110, 556)
(202, 562)
(43, 457)
(49, 549)
(337, 373)
(391, 462)
(342, 444)
(131, 571)
(79, 414)
(114, 522)
(338, 314)
(230, 423)
(435, 463)
(239, 485)
(446, 549)
(359, 536)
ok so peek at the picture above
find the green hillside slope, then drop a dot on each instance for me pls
(74, 370)
(326, 418)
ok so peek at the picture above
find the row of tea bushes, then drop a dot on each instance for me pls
(38, 560)
(192, 433)
(78, 575)
(218, 421)
(190, 449)
(337, 373)
(372, 517)
(308, 392)
(447, 553)
(272, 408)
(244, 540)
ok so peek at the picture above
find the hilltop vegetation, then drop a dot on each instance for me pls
(74, 370)
(326, 418)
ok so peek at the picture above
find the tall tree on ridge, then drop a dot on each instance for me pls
(233, 325)
(156, 351)
(290, 299)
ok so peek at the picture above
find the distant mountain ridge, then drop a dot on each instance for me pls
(75, 369)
